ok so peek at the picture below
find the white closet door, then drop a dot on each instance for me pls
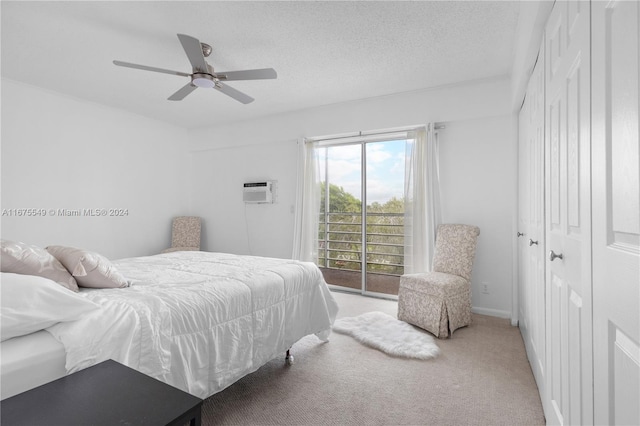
(531, 245)
(616, 212)
(536, 228)
(524, 320)
(569, 392)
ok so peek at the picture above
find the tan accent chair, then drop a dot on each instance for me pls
(440, 301)
(185, 234)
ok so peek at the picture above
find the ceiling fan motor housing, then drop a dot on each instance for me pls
(206, 49)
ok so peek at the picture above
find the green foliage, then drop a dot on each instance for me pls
(343, 245)
(394, 205)
(339, 200)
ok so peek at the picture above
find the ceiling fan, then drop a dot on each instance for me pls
(203, 74)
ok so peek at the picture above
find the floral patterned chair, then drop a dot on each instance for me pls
(440, 301)
(185, 234)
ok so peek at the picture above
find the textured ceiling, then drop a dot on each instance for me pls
(324, 52)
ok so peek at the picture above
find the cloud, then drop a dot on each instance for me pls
(343, 169)
(385, 170)
(382, 191)
(398, 166)
(376, 153)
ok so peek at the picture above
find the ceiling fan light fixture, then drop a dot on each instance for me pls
(203, 80)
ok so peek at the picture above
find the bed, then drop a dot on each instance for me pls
(196, 320)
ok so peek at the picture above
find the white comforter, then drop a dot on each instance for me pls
(200, 321)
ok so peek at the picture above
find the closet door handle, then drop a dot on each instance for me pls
(531, 242)
(520, 234)
(553, 256)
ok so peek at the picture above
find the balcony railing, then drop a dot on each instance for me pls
(341, 237)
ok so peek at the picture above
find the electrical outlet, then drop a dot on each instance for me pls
(485, 288)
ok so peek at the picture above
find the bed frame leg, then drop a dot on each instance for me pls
(288, 359)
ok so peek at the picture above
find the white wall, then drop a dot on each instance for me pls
(230, 225)
(485, 98)
(63, 153)
(477, 181)
(529, 33)
(478, 167)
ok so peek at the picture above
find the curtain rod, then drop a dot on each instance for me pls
(437, 126)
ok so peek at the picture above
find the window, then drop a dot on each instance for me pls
(368, 205)
(367, 257)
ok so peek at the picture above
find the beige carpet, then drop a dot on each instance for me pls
(482, 377)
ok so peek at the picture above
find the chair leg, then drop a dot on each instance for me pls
(288, 359)
(443, 332)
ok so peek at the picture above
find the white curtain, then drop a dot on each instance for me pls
(305, 234)
(422, 199)
(421, 193)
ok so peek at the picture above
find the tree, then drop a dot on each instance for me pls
(339, 200)
(394, 205)
(384, 226)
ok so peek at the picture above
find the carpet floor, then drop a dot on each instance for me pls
(481, 377)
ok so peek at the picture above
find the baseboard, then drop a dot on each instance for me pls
(476, 310)
(491, 312)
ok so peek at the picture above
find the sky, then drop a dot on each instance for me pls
(385, 169)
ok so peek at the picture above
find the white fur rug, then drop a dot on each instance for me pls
(384, 332)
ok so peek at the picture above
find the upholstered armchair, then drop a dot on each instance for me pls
(440, 301)
(185, 234)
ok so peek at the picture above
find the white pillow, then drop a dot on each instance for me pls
(29, 303)
(90, 269)
(21, 258)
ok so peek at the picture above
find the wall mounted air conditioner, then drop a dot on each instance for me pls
(258, 192)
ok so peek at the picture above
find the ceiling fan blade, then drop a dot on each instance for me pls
(235, 94)
(259, 74)
(193, 49)
(182, 92)
(146, 68)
